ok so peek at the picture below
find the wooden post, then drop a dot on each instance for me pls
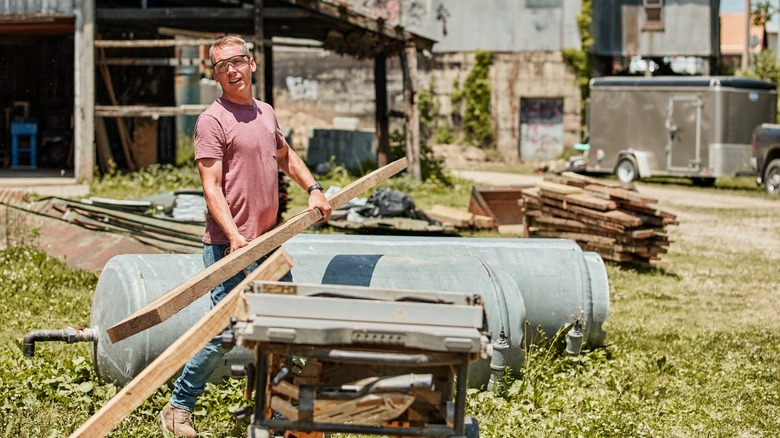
(381, 110)
(174, 357)
(746, 49)
(268, 50)
(181, 296)
(412, 116)
(259, 53)
(84, 91)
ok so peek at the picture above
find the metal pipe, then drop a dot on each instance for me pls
(69, 335)
(498, 362)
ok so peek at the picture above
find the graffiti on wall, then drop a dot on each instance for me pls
(541, 128)
(301, 88)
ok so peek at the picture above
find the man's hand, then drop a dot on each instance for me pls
(237, 241)
(318, 200)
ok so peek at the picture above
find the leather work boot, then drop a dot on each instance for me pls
(177, 421)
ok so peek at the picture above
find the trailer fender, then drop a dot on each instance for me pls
(641, 159)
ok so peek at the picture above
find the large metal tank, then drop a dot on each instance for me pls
(545, 282)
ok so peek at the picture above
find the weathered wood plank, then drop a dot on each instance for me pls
(621, 194)
(444, 214)
(563, 189)
(590, 180)
(187, 292)
(584, 200)
(174, 357)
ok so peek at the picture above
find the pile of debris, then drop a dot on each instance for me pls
(386, 211)
(611, 219)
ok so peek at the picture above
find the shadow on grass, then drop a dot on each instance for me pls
(643, 269)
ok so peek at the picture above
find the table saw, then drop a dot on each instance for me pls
(354, 359)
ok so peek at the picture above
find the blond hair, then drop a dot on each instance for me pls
(228, 40)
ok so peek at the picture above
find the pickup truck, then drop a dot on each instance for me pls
(766, 156)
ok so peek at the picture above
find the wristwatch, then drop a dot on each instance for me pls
(315, 186)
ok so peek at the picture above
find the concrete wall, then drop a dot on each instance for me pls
(513, 77)
(345, 88)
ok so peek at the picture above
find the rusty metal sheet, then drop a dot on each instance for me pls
(498, 202)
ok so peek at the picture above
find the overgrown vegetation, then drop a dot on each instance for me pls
(154, 179)
(474, 97)
(692, 349)
(580, 59)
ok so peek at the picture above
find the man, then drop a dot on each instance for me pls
(239, 150)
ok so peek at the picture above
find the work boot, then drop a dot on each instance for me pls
(177, 421)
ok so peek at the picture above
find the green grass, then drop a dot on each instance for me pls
(693, 349)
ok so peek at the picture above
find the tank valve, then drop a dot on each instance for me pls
(69, 335)
(574, 339)
(498, 362)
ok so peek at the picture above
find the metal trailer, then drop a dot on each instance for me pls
(697, 127)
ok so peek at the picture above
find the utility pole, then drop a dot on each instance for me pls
(746, 52)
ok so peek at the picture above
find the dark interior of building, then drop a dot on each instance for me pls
(36, 101)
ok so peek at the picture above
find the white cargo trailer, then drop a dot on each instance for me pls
(694, 126)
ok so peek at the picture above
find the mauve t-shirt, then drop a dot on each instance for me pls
(246, 139)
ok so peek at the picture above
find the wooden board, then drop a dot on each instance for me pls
(449, 215)
(621, 194)
(583, 200)
(590, 180)
(558, 188)
(182, 295)
(174, 357)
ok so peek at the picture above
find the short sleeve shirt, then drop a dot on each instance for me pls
(246, 140)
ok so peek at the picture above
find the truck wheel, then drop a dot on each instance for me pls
(772, 177)
(626, 170)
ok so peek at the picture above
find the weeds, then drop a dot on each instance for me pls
(693, 349)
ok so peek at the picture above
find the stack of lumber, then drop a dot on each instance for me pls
(609, 218)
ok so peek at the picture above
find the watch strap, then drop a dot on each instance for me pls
(313, 187)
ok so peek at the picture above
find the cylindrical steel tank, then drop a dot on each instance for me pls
(545, 282)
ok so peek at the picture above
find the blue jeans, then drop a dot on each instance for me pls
(198, 370)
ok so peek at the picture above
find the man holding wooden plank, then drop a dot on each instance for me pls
(239, 150)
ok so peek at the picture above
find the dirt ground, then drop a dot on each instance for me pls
(703, 215)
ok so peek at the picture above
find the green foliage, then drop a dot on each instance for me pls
(15, 229)
(762, 11)
(692, 349)
(444, 135)
(154, 179)
(477, 118)
(427, 107)
(580, 60)
(185, 152)
(765, 67)
(431, 166)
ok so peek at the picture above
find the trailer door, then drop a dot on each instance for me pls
(683, 125)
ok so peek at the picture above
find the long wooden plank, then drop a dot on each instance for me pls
(174, 357)
(190, 290)
(558, 188)
(583, 199)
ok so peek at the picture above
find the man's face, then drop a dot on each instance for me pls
(233, 70)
